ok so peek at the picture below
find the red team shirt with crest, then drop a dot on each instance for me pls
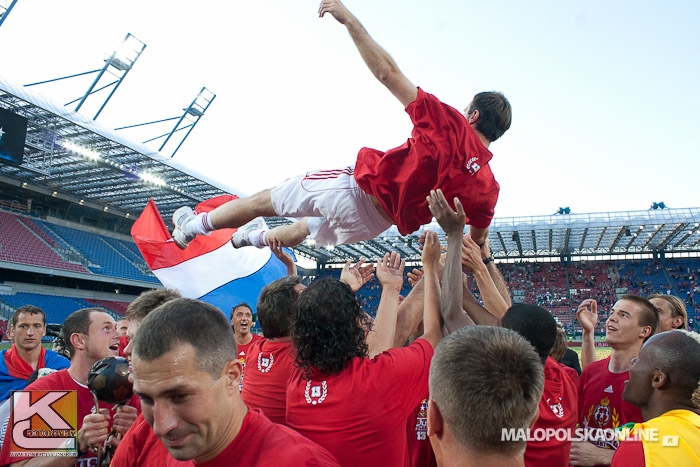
(359, 414)
(600, 400)
(558, 409)
(268, 367)
(443, 152)
(242, 350)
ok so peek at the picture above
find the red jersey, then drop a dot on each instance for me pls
(268, 367)
(558, 410)
(600, 401)
(243, 351)
(360, 413)
(419, 448)
(140, 447)
(61, 380)
(259, 442)
(629, 454)
(443, 152)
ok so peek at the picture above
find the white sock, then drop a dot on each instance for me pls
(200, 225)
(257, 238)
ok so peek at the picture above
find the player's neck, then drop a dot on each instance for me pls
(621, 358)
(243, 339)
(79, 369)
(30, 356)
(482, 138)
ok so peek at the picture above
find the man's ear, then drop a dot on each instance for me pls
(659, 379)
(233, 371)
(645, 332)
(77, 340)
(677, 322)
(473, 117)
(435, 420)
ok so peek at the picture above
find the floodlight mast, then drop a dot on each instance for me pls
(196, 109)
(6, 12)
(122, 60)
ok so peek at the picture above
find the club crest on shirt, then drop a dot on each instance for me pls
(422, 421)
(472, 165)
(265, 362)
(601, 414)
(557, 408)
(315, 393)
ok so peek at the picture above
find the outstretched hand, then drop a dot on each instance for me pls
(390, 270)
(335, 8)
(431, 251)
(356, 275)
(472, 258)
(452, 222)
(414, 276)
(285, 257)
(587, 314)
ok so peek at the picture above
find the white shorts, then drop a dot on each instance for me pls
(339, 211)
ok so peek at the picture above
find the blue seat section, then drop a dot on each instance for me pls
(56, 308)
(107, 256)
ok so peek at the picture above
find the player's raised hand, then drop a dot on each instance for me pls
(471, 255)
(587, 314)
(390, 270)
(335, 8)
(452, 222)
(414, 276)
(356, 275)
(431, 251)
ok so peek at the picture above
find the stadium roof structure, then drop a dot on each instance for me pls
(71, 157)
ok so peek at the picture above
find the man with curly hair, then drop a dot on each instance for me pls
(351, 404)
(665, 384)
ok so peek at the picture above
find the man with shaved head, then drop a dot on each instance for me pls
(665, 384)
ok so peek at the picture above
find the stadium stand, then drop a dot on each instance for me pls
(56, 308)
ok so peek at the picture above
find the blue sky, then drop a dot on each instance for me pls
(604, 93)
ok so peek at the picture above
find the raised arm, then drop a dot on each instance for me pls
(473, 308)
(390, 276)
(490, 295)
(452, 222)
(378, 61)
(432, 328)
(285, 257)
(587, 315)
(494, 272)
(356, 275)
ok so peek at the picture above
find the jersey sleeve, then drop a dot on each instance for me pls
(629, 454)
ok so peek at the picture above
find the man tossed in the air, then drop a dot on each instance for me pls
(447, 150)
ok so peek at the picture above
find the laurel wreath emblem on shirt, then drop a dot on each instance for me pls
(321, 398)
(267, 368)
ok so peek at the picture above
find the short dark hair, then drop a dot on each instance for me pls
(77, 322)
(330, 327)
(276, 307)
(535, 324)
(148, 301)
(238, 306)
(192, 322)
(495, 114)
(649, 315)
(29, 309)
(484, 379)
